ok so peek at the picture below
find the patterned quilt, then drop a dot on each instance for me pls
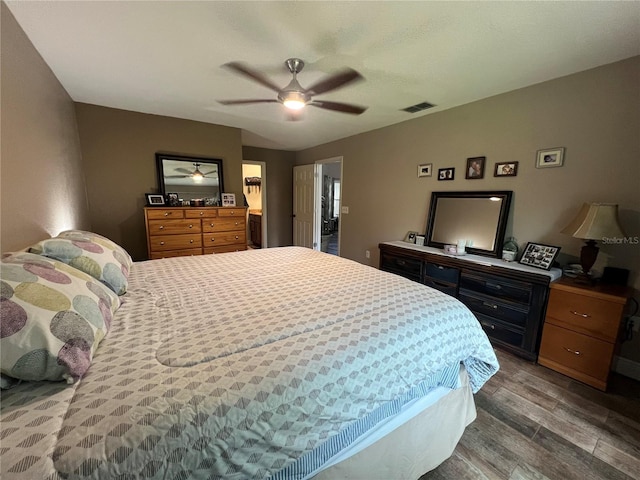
(249, 365)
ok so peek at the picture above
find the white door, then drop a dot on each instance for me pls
(303, 206)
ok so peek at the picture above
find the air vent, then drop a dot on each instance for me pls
(418, 107)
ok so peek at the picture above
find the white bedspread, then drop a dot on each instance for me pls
(246, 365)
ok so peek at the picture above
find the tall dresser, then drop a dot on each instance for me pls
(180, 231)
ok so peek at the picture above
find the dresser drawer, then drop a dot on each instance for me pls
(201, 213)
(176, 253)
(225, 248)
(157, 213)
(224, 238)
(175, 242)
(405, 266)
(498, 331)
(577, 352)
(223, 224)
(172, 227)
(510, 290)
(231, 212)
(591, 316)
(442, 273)
(511, 313)
(442, 286)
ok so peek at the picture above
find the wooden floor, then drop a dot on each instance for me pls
(534, 423)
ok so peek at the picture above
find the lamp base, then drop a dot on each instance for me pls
(588, 256)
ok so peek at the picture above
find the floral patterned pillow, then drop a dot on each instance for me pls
(53, 318)
(93, 254)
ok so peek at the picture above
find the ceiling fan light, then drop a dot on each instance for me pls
(294, 104)
(294, 100)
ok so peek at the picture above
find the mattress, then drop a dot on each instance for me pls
(257, 364)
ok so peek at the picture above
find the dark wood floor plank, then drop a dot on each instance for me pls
(536, 424)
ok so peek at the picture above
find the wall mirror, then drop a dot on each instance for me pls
(190, 178)
(477, 216)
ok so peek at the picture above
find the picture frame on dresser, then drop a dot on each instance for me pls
(539, 255)
(155, 200)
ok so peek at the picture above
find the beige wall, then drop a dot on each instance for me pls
(279, 184)
(595, 115)
(42, 181)
(118, 150)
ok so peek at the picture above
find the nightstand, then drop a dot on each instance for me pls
(582, 329)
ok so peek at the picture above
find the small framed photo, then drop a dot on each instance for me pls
(506, 169)
(155, 200)
(551, 157)
(228, 199)
(411, 237)
(475, 168)
(446, 173)
(425, 170)
(539, 255)
(173, 200)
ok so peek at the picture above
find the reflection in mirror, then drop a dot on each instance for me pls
(191, 178)
(477, 217)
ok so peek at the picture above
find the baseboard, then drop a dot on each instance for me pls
(627, 367)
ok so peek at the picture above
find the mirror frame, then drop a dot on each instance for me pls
(501, 226)
(190, 160)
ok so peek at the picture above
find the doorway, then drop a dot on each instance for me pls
(317, 194)
(254, 189)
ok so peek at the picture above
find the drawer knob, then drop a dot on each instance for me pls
(578, 314)
(211, 224)
(232, 212)
(575, 352)
(440, 267)
(401, 262)
(161, 243)
(166, 214)
(191, 241)
(490, 305)
(236, 237)
(213, 239)
(190, 225)
(161, 227)
(201, 213)
(493, 285)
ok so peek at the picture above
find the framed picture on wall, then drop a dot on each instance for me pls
(425, 170)
(446, 173)
(228, 199)
(551, 157)
(506, 169)
(154, 200)
(475, 168)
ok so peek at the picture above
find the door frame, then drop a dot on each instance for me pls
(263, 197)
(317, 204)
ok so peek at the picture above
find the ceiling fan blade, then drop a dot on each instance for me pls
(177, 176)
(183, 170)
(204, 174)
(247, 71)
(335, 81)
(245, 102)
(338, 107)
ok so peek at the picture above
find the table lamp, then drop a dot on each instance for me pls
(595, 221)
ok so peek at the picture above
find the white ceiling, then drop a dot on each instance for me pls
(164, 57)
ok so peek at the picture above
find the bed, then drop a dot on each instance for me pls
(282, 363)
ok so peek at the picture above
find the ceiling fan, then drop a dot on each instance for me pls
(196, 175)
(294, 96)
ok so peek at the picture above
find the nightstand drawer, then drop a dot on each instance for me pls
(591, 316)
(174, 242)
(169, 227)
(576, 352)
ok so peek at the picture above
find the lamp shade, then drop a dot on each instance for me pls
(595, 221)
